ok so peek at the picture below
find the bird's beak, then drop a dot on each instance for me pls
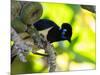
(69, 40)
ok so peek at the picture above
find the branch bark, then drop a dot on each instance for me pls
(21, 48)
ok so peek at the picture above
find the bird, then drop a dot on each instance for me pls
(52, 32)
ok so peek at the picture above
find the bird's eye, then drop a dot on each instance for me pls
(64, 30)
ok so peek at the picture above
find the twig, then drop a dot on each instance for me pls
(51, 57)
(90, 8)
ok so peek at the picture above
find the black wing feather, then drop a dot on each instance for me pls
(44, 24)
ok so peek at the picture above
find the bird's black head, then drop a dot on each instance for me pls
(66, 32)
(60, 34)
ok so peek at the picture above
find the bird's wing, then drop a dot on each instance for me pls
(44, 24)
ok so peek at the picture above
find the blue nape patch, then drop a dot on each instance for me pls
(63, 33)
(62, 36)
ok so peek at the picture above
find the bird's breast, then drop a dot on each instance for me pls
(45, 32)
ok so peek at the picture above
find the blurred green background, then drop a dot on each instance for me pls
(80, 54)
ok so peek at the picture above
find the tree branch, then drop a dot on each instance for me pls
(90, 8)
(41, 42)
(21, 48)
